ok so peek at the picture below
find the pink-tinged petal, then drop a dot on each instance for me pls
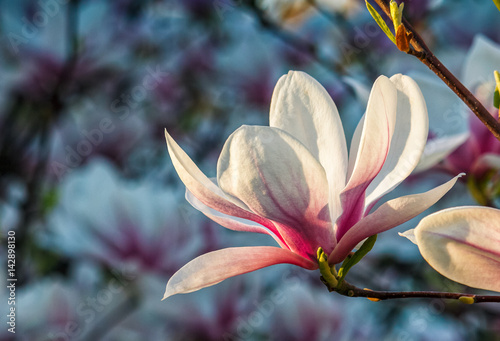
(463, 244)
(369, 150)
(230, 222)
(276, 177)
(205, 190)
(438, 149)
(216, 266)
(389, 215)
(304, 109)
(408, 140)
(480, 62)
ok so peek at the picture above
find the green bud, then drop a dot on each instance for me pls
(396, 13)
(466, 299)
(496, 97)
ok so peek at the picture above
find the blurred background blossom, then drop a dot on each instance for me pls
(101, 222)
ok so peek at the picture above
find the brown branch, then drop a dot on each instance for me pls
(350, 290)
(424, 54)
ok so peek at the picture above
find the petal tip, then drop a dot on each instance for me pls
(169, 291)
(410, 235)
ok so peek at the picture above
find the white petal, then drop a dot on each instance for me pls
(276, 177)
(408, 140)
(389, 215)
(304, 109)
(438, 149)
(463, 244)
(216, 266)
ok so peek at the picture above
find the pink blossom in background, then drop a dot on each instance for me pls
(459, 141)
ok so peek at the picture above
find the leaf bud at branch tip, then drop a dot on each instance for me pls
(396, 14)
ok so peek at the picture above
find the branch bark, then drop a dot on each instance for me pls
(424, 54)
(350, 290)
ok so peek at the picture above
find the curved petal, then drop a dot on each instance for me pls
(369, 147)
(214, 267)
(302, 107)
(204, 189)
(438, 149)
(276, 177)
(408, 140)
(463, 244)
(230, 222)
(389, 215)
(480, 62)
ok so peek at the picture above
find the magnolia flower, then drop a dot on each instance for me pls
(295, 182)
(463, 244)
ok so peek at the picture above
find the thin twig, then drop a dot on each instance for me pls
(424, 54)
(350, 290)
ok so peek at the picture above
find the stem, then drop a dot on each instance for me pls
(350, 290)
(425, 55)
